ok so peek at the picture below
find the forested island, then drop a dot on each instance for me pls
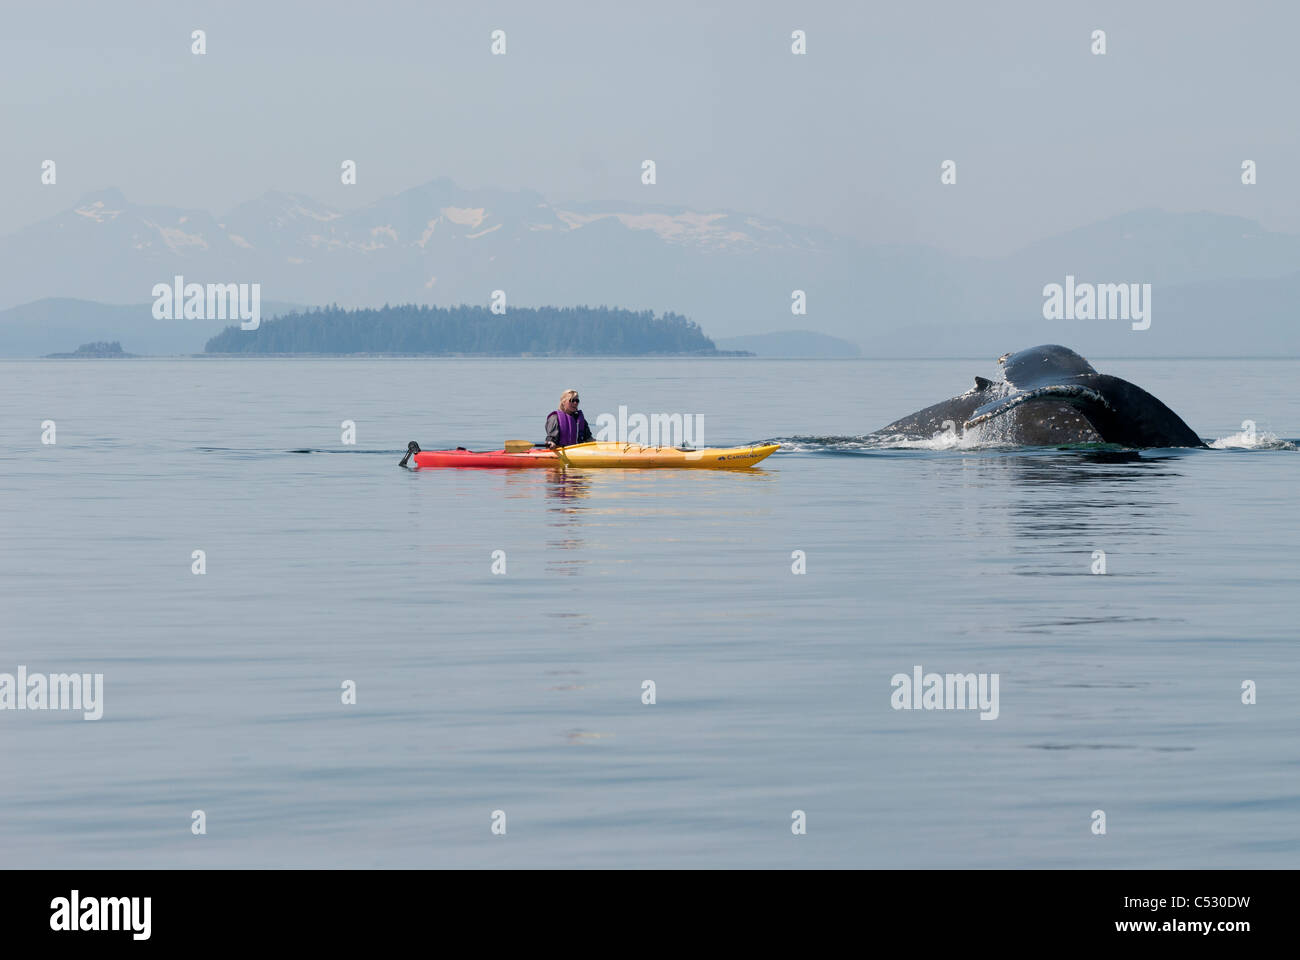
(472, 331)
(99, 350)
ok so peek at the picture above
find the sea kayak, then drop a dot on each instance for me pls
(605, 454)
(540, 457)
(600, 454)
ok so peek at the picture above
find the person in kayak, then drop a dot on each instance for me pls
(567, 426)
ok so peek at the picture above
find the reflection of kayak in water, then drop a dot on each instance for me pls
(595, 454)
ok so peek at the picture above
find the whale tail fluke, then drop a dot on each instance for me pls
(1121, 412)
(1049, 395)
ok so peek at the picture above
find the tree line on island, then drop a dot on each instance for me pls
(461, 330)
(99, 350)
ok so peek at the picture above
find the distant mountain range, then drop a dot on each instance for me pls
(1221, 285)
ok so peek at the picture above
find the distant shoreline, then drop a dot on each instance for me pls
(720, 355)
(684, 356)
(478, 356)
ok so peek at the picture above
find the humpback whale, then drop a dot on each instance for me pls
(1050, 395)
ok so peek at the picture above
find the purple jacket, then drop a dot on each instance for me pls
(564, 430)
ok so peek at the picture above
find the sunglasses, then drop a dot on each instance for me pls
(573, 399)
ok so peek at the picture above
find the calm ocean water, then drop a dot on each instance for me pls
(522, 692)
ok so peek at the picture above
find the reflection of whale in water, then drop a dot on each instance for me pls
(1051, 395)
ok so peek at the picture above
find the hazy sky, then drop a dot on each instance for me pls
(850, 137)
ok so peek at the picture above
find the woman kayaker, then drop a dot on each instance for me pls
(567, 426)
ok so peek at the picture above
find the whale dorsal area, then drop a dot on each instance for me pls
(1051, 395)
(1046, 364)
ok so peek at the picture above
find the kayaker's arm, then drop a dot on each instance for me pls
(552, 431)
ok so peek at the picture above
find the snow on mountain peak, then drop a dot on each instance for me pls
(178, 239)
(97, 211)
(685, 227)
(302, 211)
(465, 216)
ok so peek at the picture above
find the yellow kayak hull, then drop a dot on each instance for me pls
(605, 454)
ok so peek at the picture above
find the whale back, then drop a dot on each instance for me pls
(1053, 396)
(1120, 412)
(1050, 363)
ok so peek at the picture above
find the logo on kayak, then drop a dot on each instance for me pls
(214, 301)
(653, 430)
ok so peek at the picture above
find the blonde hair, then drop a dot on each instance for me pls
(564, 397)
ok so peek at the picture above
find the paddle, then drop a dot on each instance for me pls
(411, 448)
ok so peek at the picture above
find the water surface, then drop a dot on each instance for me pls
(522, 692)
